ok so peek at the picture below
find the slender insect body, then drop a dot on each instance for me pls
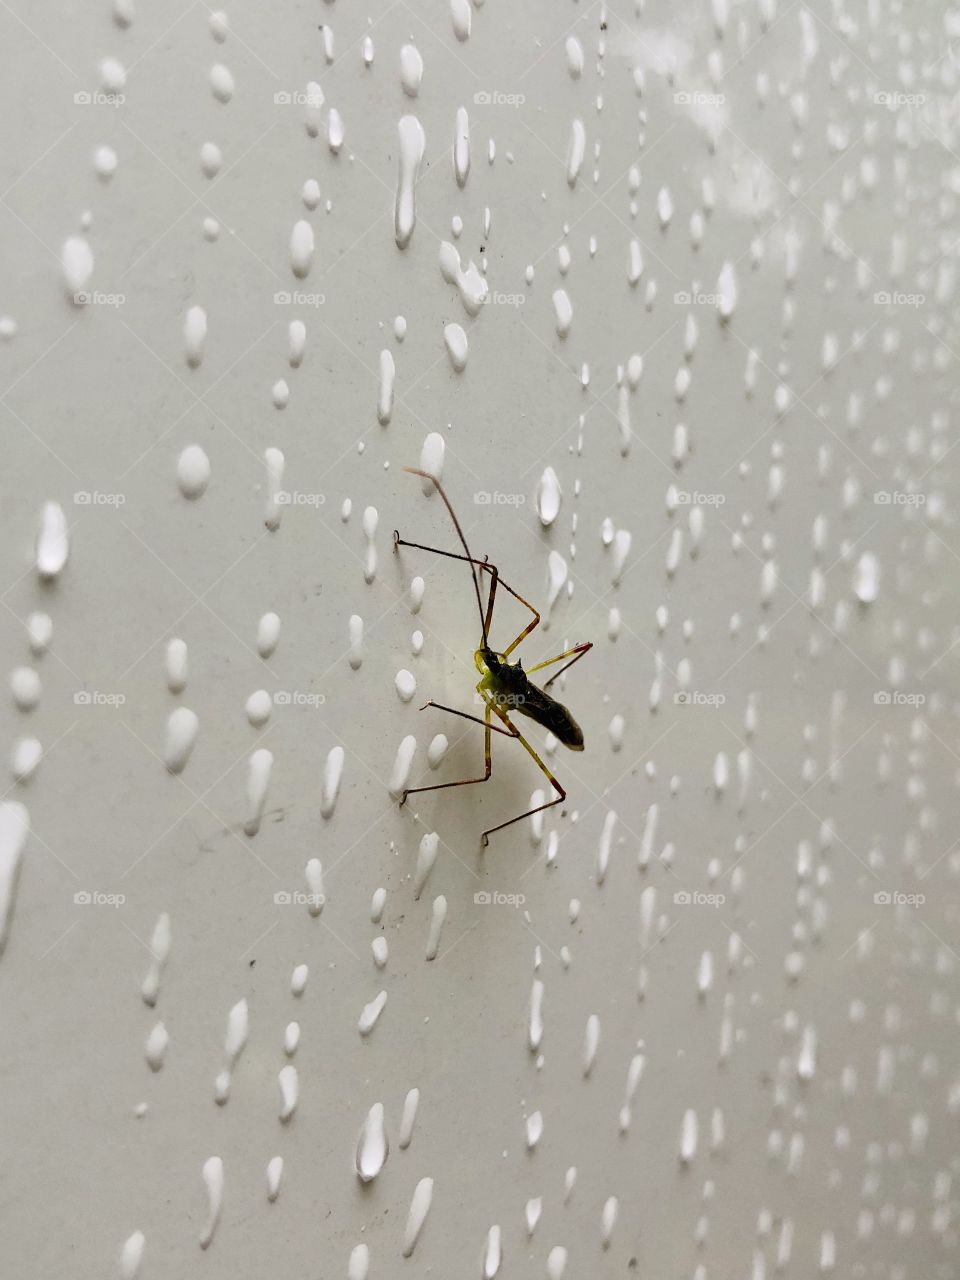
(508, 686)
(504, 686)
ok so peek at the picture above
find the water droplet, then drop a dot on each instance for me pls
(193, 471)
(549, 495)
(373, 1147)
(413, 142)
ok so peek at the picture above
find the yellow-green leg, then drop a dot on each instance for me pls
(487, 757)
(578, 650)
(562, 795)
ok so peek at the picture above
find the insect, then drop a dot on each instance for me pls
(504, 686)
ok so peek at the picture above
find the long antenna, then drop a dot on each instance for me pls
(425, 475)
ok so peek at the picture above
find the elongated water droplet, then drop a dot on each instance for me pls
(131, 1257)
(461, 147)
(455, 340)
(332, 777)
(549, 496)
(53, 541)
(182, 729)
(411, 70)
(195, 335)
(388, 378)
(575, 151)
(417, 1216)
(258, 780)
(14, 829)
(413, 141)
(373, 1147)
(213, 1182)
(301, 248)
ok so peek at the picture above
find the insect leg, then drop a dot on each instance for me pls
(452, 555)
(463, 782)
(495, 580)
(530, 625)
(562, 795)
(466, 716)
(578, 650)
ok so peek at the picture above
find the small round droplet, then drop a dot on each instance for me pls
(193, 471)
(105, 162)
(258, 707)
(25, 687)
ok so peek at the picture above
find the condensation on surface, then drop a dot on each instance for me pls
(665, 295)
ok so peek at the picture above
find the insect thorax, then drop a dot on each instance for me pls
(507, 685)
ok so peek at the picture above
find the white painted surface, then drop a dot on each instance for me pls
(735, 1051)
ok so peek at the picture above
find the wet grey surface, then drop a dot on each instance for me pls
(853, 761)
